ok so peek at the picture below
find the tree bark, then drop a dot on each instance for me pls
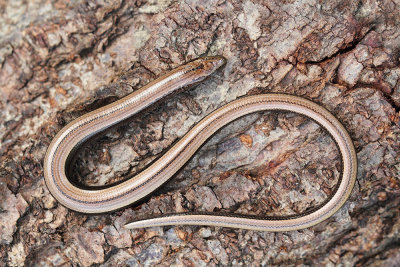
(59, 60)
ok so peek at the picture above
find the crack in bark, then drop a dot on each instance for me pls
(341, 51)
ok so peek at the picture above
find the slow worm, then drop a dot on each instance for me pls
(127, 192)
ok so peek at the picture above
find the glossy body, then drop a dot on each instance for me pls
(125, 193)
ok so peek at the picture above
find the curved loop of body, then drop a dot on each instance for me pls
(127, 192)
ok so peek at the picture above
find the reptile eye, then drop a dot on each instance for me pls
(200, 66)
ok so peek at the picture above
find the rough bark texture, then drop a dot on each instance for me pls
(59, 60)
